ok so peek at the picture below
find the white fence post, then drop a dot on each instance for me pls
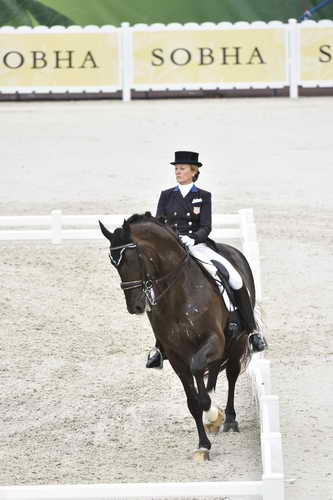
(271, 443)
(293, 54)
(126, 61)
(273, 487)
(270, 412)
(250, 246)
(56, 226)
(272, 461)
(264, 366)
(270, 437)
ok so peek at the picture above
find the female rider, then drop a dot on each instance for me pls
(187, 209)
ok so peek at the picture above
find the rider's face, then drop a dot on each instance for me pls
(184, 173)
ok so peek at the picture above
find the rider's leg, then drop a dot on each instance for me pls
(201, 252)
(205, 255)
(243, 317)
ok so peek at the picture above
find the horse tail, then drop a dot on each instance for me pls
(258, 316)
(259, 329)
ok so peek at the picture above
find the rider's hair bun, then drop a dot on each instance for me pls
(195, 176)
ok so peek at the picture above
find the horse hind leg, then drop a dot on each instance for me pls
(232, 370)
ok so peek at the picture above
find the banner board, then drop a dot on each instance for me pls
(158, 57)
(59, 61)
(218, 57)
(316, 55)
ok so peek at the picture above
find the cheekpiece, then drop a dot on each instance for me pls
(186, 157)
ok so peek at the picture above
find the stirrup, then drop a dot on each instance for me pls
(155, 359)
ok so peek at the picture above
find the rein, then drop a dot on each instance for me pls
(148, 284)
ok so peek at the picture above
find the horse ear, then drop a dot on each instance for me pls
(148, 214)
(105, 231)
(125, 224)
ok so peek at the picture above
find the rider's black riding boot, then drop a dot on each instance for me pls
(246, 319)
(245, 309)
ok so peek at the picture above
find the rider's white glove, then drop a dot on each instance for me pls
(189, 242)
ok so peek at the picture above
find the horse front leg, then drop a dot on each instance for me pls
(195, 407)
(208, 353)
(213, 416)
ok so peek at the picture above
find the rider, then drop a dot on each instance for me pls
(187, 209)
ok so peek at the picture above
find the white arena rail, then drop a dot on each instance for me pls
(57, 227)
(271, 486)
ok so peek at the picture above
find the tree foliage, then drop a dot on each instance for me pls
(101, 12)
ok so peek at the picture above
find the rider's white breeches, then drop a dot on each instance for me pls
(205, 254)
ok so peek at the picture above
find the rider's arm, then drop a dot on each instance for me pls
(205, 228)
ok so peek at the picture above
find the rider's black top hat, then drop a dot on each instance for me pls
(187, 157)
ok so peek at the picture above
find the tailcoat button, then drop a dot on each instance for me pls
(190, 231)
(190, 223)
(175, 213)
(188, 214)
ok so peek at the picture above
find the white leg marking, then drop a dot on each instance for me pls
(210, 415)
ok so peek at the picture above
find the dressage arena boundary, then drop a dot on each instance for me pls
(58, 227)
(271, 487)
(240, 226)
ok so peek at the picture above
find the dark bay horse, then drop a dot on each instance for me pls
(186, 313)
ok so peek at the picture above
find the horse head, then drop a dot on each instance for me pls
(142, 250)
(124, 257)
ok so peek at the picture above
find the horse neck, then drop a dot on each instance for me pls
(159, 242)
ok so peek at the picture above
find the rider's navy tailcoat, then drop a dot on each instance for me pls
(190, 215)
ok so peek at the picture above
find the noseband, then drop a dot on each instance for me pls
(147, 285)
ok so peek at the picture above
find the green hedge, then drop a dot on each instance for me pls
(101, 12)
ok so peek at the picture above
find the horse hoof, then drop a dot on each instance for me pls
(214, 427)
(201, 455)
(230, 426)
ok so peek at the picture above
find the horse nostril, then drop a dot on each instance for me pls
(138, 309)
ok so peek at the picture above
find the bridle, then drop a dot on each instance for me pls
(148, 285)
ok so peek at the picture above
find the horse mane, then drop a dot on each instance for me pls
(148, 217)
(136, 218)
(121, 236)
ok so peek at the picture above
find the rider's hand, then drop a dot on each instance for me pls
(189, 242)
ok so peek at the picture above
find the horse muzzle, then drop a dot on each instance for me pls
(138, 309)
(137, 306)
